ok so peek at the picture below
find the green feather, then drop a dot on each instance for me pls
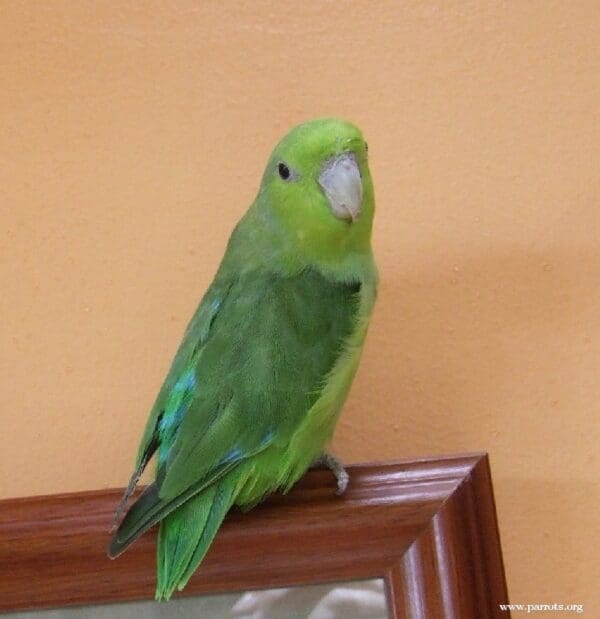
(186, 534)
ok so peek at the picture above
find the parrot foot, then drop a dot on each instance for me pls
(337, 468)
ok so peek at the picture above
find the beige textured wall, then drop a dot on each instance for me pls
(133, 136)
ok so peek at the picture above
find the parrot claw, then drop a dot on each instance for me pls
(342, 481)
(337, 468)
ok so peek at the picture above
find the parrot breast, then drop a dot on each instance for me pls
(280, 466)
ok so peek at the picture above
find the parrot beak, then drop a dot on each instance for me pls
(341, 182)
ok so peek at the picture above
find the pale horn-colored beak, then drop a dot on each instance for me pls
(341, 182)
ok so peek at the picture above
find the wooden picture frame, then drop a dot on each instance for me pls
(427, 526)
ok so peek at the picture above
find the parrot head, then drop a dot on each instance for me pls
(317, 185)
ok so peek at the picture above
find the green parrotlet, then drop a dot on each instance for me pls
(255, 390)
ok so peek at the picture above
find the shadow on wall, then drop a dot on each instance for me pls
(502, 343)
(559, 536)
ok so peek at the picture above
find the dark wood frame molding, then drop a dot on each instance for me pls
(428, 527)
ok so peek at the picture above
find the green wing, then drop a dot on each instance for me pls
(195, 336)
(252, 363)
(163, 409)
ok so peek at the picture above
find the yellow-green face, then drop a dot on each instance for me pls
(318, 185)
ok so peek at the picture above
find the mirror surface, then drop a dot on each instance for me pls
(363, 599)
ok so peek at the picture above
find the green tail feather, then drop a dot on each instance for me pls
(186, 534)
(150, 508)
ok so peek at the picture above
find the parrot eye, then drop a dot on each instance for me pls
(284, 171)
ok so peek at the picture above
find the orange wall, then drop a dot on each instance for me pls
(134, 136)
